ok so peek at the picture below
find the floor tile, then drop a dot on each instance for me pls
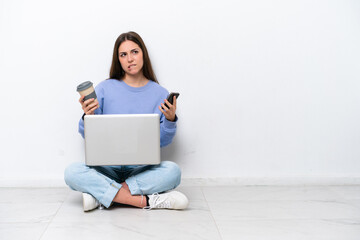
(27, 212)
(192, 193)
(255, 193)
(243, 210)
(33, 195)
(290, 229)
(132, 229)
(23, 231)
(355, 203)
(347, 192)
(219, 212)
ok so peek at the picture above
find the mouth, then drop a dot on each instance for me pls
(132, 65)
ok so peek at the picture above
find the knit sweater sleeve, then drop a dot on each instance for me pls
(167, 130)
(100, 97)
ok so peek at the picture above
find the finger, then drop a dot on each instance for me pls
(162, 110)
(91, 106)
(174, 101)
(96, 101)
(168, 103)
(164, 107)
(91, 111)
(81, 99)
(169, 113)
(89, 101)
(86, 104)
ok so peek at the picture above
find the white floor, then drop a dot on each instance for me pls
(235, 212)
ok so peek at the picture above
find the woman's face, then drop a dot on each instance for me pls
(131, 57)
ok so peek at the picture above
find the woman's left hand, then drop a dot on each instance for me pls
(169, 112)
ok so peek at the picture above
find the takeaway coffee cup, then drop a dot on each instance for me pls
(86, 89)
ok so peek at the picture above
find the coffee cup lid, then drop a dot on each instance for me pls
(84, 85)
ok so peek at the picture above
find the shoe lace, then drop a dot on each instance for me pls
(158, 203)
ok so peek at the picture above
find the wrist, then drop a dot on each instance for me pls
(172, 120)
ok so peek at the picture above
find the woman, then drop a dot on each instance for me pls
(132, 88)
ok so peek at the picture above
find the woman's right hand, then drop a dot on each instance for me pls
(89, 106)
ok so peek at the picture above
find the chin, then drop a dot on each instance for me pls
(133, 73)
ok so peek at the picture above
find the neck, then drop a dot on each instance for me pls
(135, 80)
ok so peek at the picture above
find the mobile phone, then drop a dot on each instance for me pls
(171, 98)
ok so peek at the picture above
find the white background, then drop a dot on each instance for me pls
(269, 89)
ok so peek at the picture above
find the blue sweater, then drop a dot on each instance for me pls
(116, 97)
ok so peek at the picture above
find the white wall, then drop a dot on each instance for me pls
(269, 89)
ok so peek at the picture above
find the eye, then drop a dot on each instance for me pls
(135, 51)
(122, 54)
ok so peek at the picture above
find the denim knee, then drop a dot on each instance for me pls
(71, 171)
(173, 173)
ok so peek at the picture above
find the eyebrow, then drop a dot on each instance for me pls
(131, 50)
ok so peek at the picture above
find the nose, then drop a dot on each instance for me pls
(129, 58)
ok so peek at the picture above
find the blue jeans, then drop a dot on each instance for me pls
(103, 182)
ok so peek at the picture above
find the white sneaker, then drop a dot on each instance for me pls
(169, 200)
(89, 202)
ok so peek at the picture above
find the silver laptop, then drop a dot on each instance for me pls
(122, 139)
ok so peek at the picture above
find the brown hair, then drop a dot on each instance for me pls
(116, 71)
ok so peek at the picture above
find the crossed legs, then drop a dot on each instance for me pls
(104, 185)
(124, 196)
